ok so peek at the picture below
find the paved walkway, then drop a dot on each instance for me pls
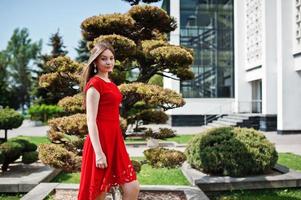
(284, 143)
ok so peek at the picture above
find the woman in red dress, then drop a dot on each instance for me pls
(105, 161)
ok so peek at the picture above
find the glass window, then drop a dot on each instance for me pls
(206, 26)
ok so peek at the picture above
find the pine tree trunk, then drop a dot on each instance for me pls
(5, 135)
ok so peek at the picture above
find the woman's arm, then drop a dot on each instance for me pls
(92, 109)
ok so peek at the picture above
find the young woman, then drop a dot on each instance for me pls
(105, 161)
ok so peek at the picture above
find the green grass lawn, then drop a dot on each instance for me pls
(290, 160)
(147, 176)
(11, 196)
(35, 139)
(67, 178)
(181, 139)
(161, 176)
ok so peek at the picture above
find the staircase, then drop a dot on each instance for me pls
(241, 120)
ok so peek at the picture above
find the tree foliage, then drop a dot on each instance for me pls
(20, 52)
(82, 51)
(139, 38)
(64, 78)
(4, 89)
(9, 119)
(58, 47)
(46, 95)
(15, 148)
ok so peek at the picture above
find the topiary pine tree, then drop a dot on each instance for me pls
(9, 119)
(140, 44)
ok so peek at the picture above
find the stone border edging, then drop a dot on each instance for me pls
(26, 183)
(161, 144)
(41, 191)
(288, 178)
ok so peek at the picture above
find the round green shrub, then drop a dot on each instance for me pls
(30, 147)
(153, 116)
(162, 157)
(14, 148)
(26, 145)
(44, 112)
(30, 157)
(162, 134)
(11, 150)
(9, 119)
(165, 133)
(232, 151)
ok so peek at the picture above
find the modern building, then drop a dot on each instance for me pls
(247, 60)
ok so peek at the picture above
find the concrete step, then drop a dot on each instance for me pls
(237, 116)
(224, 123)
(226, 119)
(215, 125)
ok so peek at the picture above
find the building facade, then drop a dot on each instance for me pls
(247, 60)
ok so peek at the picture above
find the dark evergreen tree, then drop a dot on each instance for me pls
(82, 51)
(4, 97)
(58, 47)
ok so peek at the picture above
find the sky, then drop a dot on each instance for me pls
(44, 17)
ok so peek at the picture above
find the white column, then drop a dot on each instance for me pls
(289, 79)
(174, 39)
(269, 58)
(243, 90)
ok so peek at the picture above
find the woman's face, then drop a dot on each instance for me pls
(105, 61)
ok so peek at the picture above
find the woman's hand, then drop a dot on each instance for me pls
(101, 161)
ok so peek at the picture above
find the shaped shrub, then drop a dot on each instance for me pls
(59, 157)
(153, 116)
(162, 157)
(137, 165)
(162, 134)
(30, 157)
(44, 112)
(9, 119)
(165, 133)
(14, 149)
(232, 151)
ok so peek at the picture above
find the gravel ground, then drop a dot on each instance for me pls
(72, 194)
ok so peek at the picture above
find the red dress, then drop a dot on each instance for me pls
(95, 180)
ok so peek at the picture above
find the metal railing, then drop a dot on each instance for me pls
(254, 106)
(219, 111)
